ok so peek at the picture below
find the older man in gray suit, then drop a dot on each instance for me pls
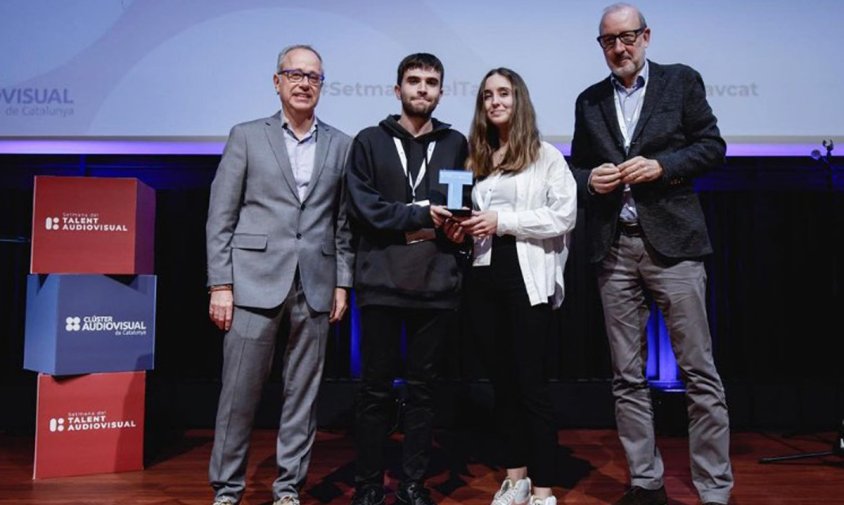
(278, 250)
(641, 136)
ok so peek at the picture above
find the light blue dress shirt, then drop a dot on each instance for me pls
(301, 153)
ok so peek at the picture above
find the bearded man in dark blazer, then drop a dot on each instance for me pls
(641, 137)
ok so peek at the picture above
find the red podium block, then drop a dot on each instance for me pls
(92, 225)
(89, 424)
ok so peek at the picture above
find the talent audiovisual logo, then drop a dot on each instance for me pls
(57, 424)
(72, 324)
(89, 421)
(83, 221)
(106, 324)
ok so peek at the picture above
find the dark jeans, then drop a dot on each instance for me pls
(380, 350)
(513, 335)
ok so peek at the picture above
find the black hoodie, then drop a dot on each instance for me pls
(388, 271)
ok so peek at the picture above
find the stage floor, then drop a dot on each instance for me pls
(592, 471)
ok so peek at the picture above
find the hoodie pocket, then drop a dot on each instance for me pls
(418, 269)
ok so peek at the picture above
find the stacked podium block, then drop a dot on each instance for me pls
(90, 322)
(92, 225)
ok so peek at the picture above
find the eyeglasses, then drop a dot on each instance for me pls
(627, 38)
(296, 76)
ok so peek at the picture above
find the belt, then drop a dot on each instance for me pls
(630, 229)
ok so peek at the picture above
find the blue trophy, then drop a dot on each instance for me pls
(455, 180)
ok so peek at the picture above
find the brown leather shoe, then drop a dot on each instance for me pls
(640, 496)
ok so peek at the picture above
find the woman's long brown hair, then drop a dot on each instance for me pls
(523, 141)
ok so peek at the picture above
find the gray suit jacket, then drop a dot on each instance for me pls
(258, 229)
(677, 128)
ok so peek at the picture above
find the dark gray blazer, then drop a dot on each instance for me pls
(258, 229)
(677, 128)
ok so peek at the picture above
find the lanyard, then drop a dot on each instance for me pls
(422, 169)
(493, 181)
(620, 114)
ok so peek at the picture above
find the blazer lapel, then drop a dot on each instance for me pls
(324, 137)
(276, 140)
(607, 105)
(653, 95)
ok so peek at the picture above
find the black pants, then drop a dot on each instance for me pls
(381, 359)
(513, 335)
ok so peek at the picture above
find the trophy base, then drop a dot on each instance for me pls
(460, 212)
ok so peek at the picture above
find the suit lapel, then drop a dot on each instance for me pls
(323, 143)
(607, 105)
(276, 140)
(653, 95)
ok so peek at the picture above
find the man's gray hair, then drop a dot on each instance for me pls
(621, 6)
(284, 52)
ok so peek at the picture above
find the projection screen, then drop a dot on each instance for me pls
(174, 76)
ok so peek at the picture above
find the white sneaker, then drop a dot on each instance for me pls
(512, 493)
(287, 500)
(535, 500)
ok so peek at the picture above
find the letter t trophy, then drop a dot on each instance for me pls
(455, 180)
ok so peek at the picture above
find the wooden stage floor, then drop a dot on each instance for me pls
(592, 471)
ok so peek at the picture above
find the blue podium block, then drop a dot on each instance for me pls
(77, 324)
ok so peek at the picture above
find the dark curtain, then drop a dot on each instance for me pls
(775, 297)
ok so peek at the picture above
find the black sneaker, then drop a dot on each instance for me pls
(640, 496)
(370, 495)
(413, 493)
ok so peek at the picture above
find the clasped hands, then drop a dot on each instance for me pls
(606, 177)
(481, 224)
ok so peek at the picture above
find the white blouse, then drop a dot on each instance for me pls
(498, 192)
(539, 207)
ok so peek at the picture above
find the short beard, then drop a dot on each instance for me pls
(622, 72)
(409, 111)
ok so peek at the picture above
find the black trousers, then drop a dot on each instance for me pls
(513, 335)
(381, 363)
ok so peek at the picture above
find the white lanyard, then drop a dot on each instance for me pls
(620, 114)
(422, 169)
(493, 181)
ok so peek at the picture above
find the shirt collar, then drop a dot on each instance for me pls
(311, 131)
(640, 81)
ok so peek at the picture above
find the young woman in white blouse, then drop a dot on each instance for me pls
(525, 207)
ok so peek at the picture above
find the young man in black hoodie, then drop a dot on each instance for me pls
(407, 273)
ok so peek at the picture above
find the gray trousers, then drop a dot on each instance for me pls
(248, 351)
(679, 288)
